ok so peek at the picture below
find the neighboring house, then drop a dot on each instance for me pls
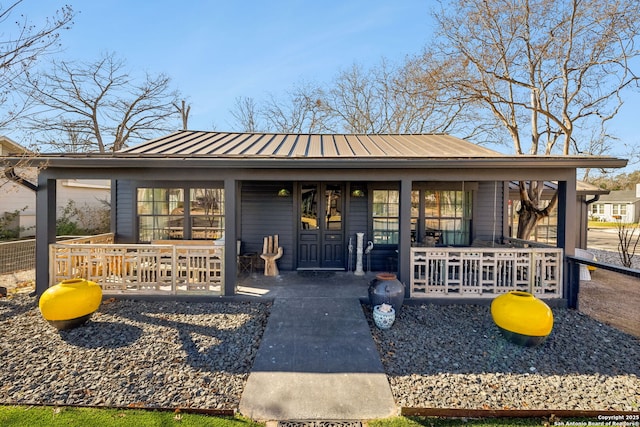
(404, 193)
(623, 206)
(18, 198)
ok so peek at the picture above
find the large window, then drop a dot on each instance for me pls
(447, 217)
(161, 213)
(597, 209)
(386, 208)
(437, 217)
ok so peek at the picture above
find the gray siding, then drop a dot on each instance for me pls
(124, 204)
(485, 224)
(357, 222)
(263, 214)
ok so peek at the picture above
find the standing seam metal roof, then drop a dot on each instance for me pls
(248, 145)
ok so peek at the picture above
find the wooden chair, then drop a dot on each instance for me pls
(270, 253)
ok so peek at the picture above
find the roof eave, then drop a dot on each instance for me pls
(124, 161)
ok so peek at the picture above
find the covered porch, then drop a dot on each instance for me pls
(423, 201)
(197, 268)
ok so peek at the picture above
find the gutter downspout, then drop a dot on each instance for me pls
(595, 199)
(10, 173)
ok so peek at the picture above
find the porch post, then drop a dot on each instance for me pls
(45, 229)
(230, 249)
(404, 240)
(567, 211)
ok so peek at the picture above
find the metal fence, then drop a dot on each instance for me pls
(17, 256)
(20, 255)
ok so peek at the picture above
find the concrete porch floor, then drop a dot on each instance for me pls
(292, 284)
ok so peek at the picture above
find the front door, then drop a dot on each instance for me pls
(321, 227)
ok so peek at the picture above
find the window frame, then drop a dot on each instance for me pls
(389, 216)
(619, 209)
(421, 231)
(185, 217)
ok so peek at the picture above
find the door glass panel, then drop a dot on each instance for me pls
(309, 207)
(333, 214)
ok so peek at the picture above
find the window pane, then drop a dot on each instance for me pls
(380, 196)
(207, 213)
(333, 214)
(448, 217)
(154, 208)
(309, 207)
(162, 214)
(386, 208)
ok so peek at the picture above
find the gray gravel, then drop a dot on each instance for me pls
(131, 353)
(455, 357)
(613, 258)
(170, 354)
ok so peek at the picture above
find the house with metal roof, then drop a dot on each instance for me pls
(187, 205)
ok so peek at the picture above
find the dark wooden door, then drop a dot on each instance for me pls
(321, 228)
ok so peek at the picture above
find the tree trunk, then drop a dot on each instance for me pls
(527, 220)
(530, 213)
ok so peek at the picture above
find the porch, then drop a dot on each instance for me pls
(197, 268)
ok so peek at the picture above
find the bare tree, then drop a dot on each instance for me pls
(21, 44)
(628, 239)
(245, 112)
(389, 99)
(543, 68)
(184, 110)
(303, 110)
(103, 101)
(381, 99)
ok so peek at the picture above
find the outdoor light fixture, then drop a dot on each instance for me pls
(357, 193)
(283, 192)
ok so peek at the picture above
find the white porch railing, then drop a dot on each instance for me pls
(140, 268)
(485, 272)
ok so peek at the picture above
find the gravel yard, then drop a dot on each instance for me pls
(145, 353)
(131, 353)
(453, 356)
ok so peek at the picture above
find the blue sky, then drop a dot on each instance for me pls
(217, 51)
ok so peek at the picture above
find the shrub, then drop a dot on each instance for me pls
(74, 220)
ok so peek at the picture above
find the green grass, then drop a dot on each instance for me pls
(475, 422)
(29, 416)
(87, 417)
(598, 224)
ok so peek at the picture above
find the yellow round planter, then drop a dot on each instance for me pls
(522, 318)
(70, 303)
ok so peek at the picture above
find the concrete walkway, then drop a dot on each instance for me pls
(317, 359)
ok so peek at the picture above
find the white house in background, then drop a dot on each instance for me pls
(617, 205)
(15, 197)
